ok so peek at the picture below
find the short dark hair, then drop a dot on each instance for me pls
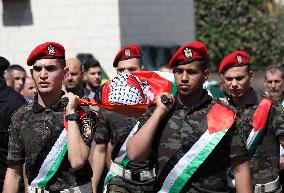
(237, 65)
(62, 62)
(203, 64)
(273, 68)
(140, 62)
(91, 64)
(15, 67)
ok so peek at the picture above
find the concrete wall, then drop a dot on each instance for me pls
(99, 27)
(156, 22)
(90, 26)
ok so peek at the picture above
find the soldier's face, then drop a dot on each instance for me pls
(274, 83)
(130, 65)
(236, 81)
(190, 78)
(48, 75)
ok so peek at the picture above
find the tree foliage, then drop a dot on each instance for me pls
(254, 26)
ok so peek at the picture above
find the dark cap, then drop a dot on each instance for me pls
(4, 64)
(189, 53)
(48, 50)
(127, 52)
(236, 58)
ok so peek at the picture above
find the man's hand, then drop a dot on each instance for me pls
(161, 107)
(73, 101)
(12, 179)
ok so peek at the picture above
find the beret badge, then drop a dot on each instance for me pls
(239, 59)
(187, 53)
(51, 50)
(127, 52)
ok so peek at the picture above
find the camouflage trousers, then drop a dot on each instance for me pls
(119, 189)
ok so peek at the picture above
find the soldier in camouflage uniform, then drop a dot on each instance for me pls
(114, 128)
(55, 152)
(176, 133)
(262, 140)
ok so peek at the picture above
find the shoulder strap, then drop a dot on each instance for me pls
(186, 161)
(51, 156)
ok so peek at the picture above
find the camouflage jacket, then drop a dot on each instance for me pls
(34, 126)
(178, 127)
(115, 127)
(265, 161)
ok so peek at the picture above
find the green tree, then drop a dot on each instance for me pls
(250, 25)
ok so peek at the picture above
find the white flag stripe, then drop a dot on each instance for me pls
(50, 159)
(123, 151)
(185, 161)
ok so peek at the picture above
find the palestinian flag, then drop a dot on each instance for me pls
(260, 118)
(51, 156)
(131, 93)
(187, 160)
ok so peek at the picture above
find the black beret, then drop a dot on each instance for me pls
(4, 64)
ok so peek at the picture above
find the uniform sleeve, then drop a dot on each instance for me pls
(16, 155)
(87, 128)
(238, 150)
(103, 133)
(276, 120)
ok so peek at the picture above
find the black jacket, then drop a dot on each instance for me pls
(10, 101)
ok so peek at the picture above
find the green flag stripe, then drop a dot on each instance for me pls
(125, 161)
(109, 176)
(196, 162)
(54, 167)
(255, 142)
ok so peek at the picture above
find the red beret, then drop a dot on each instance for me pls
(236, 58)
(127, 52)
(188, 53)
(48, 50)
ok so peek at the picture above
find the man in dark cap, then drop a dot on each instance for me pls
(10, 101)
(260, 121)
(194, 145)
(50, 138)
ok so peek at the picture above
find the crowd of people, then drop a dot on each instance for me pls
(192, 142)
